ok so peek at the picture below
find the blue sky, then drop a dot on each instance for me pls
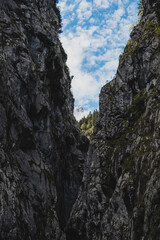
(94, 35)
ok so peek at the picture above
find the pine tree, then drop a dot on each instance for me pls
(88, 123)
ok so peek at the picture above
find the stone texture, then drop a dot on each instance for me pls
(42, 151)
(119, 197)
(50, 188)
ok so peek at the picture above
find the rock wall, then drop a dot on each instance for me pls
(120, 192)
(42, 151)
(50, 188)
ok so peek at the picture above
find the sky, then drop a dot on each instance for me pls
(95, 33)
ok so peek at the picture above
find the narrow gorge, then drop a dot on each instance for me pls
(54, 184)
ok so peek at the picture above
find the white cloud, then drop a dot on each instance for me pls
(110, 65)
(113, 21)
(132, 9)
(101, 3)
(109, 55)
(94, 34)
(85, 87)
(80, 115)
(84, 10)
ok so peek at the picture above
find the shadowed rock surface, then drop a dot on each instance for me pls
(42, 151)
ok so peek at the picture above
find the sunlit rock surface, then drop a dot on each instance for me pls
(120, 192)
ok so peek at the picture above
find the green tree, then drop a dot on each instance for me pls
(88, 123)
(84, 126)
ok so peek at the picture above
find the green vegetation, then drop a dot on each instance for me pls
(131, 47)
(121, 141)
(138, 105)
(140, 13)
(87, 123)
(149, 30)
(140, 8)
(153, 28)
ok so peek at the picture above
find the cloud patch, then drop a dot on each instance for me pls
(94, 34)
(101, 4)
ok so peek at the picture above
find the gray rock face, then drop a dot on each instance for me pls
(120, 194)
(42, 151)
(49, 187)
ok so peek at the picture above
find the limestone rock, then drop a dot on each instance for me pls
(42, 151)
(119, 197)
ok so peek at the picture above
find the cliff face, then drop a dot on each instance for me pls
(41, 148)
(42, 151)
(120, 193)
